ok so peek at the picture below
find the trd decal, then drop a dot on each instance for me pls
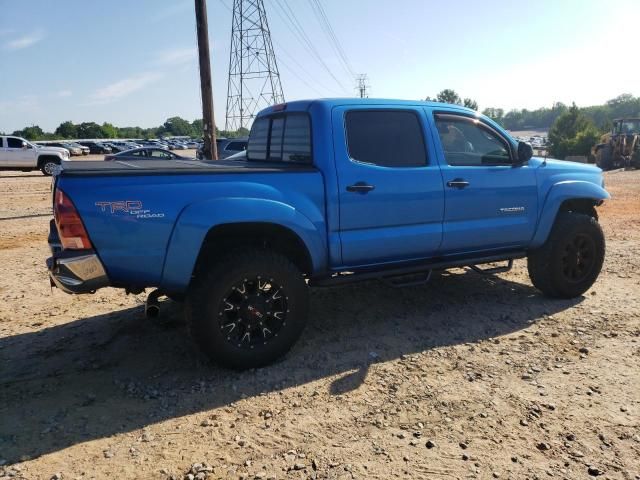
(122, 206)
(133, 208)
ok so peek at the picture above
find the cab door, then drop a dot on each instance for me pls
(4, 159)
(17, 155)
(390, 188)
(491, 201)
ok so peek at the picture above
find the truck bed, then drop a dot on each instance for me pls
(80, 168)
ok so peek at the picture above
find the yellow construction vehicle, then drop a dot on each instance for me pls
(619, 148)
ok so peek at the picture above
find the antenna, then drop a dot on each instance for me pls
(254, 79)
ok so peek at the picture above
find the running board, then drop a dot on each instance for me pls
(492, 270)
(413, 280)
(421, 268)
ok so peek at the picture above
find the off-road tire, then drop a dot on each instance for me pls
(207, 294)
(604, 158)
(48, 166)
(551, 266)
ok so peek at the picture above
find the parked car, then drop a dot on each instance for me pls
(226, 147)
(96, 147)
(16, 153)
(73, 151)
(387, 189)
(145, 153)
(115, 147)
(85, 150)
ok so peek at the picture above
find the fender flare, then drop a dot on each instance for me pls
(557, 195)
(196, 220)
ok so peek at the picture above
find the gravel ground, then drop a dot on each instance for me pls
(466, 377)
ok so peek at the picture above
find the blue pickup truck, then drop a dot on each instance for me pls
(329, 192)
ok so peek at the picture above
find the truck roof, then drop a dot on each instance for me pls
(329, 103)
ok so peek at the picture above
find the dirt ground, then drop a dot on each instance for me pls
(466, 377)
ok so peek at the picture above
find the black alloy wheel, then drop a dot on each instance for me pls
(578, 258)
(253, 312)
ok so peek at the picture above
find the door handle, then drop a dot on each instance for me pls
(458, 183)
(360, 187)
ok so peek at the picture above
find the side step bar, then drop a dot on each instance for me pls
(492, 270)
(424, 268)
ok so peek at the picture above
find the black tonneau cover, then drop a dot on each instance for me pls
(176, 167)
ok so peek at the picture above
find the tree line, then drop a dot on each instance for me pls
(174, 126)
(572, 130)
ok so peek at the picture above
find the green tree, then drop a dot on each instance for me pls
(197, 127)
(449, 96)
(495, 114)
(177, 126)
(469, 103)
(89, 130)
(109, 131)
(573, 133)
(33, 132)
(67, 130)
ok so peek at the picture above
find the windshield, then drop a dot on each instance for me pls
(629, 126)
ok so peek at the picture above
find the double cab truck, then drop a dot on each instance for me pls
(19, 154)
(329, 192)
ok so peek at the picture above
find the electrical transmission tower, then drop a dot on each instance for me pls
(362, 86)
(254, 80)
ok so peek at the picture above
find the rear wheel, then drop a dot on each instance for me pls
(248, 309)
(569, 263)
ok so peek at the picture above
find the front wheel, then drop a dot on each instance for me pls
(49, 167)
(569, 262)
(604, 158)
(248, 309)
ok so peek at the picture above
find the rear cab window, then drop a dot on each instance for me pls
(282, 138)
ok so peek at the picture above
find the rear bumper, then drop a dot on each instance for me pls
(74, 271)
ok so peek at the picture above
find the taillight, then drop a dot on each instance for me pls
(73, 235)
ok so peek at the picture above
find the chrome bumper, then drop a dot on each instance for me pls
(74, 271)
(77, 273)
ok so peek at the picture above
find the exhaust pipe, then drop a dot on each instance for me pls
(152, 306)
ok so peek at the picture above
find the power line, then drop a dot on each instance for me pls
(288, 15)
(302, 70)
(321, 15)
(296, 73)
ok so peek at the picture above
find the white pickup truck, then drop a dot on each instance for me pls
(19, 154)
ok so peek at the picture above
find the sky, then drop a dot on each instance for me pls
(134, 62)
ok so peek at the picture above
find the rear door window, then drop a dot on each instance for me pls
(392, 138)
(1, 142)
(281, 138)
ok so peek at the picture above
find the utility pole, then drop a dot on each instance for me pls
(210, 149)
(362, 85)
(254, 79)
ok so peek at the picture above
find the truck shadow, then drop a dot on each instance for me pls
(116, 373)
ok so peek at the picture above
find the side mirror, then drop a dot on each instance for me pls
(24, 145)
(525, 152)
